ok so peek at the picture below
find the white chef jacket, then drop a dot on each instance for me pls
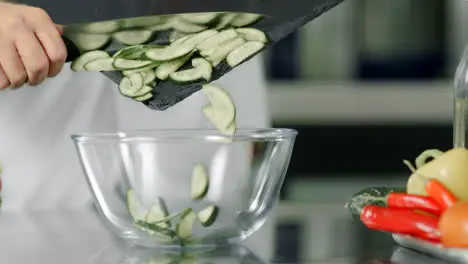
(40, 166)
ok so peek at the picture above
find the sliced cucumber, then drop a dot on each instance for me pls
(158, 212)
(170, 52)
(199, 18)
(208, 216)
(225, 20)
(197, 38)
(132, 52)
(223, 105)
(88, 41)
(129, 86)
(154, 229)
(139, 22)
(184, 228)
(78, 63)
(142, 91)
(101, 27)
(149, 77)
(210, 114)
(163, 71)
(135, 207)
(253, 34)
(224, 49)
(143, 69)
(133, 37)
(200, 182)
(177, 36)
(210, 44)
(124, 64)
(104, 64)
(202, 70)
(181, 25)
(243, 52)
(245, 19)
(143, 97)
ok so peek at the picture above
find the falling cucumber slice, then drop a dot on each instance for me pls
(253, 34)
(245, 19)
(78, 63)
(135, 207)
(124, 64)
(102, 65)
(184, 228)
(210, 114)
(199, 18)
(166, 68)
(131, 85)
(208, 216)
(222, 103)
(243, 52)
(201, 70)
(88, 41)
(200, 182)
(143, 97)
(210, 44)
(133, 37)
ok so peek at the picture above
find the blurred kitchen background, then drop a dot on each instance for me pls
(367, 84)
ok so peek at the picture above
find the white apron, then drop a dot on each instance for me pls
(40, 166)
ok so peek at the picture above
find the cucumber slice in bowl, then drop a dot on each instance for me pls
(135, 207)
(208, 216)
(158, 212)
(124, 64)
(78, 63)
(104, 64)
(153, 230)
(223, 105)
(184, 228)
(243, 52)
(202, 71)
(200, 182)
(133, 37)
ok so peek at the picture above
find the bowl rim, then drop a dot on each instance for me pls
(169, 135)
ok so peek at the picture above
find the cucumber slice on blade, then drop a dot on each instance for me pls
(139, 70)
(199, 18)
(135, 208)
(225, 20)
(253, 34)
(178, 37)
(143, 97)
(132, 52)
(181, 25)
(129, 86)
(163, 71)
(104, 64)
(197, 38)
(243, 52)
(208, 45)
(88, 41)
(149, 77)
(170, 52)
(142, 91)
(200, 182)
(202, 71)
(124, 64)
(208, 216)
(133, 37)
(101, 27)
(184, 228)
(78, 63)
(223, 105)
(224, 48)
(245, 19)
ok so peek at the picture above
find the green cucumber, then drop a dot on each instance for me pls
(210, 114)
(141, 22)
(139, 70)
(200, 182)
(225, 20)
(104, 64)
(78, 63)
(243, 52)
(149, 77)
(181, 25)
(143, 97)
(223, 49)
(253, 34)
(224, 111)
(208, 216)
(166, 68)
(170, 52)
(177, 36)
(245, 19)
(144, 90)
(89, 41)
(370, 196)
(133, 37)
(124, 64)
(154, 229)
(156, 213)
(132, 52)
(201, 70)
(210, 44)
(104, 27)
(184, 228)
(131, 85)
(135, 207)
(197, 38)
(199, 18)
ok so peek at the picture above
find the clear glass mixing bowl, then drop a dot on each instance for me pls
(242, 180)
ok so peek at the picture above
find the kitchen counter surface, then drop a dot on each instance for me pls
(81, 238)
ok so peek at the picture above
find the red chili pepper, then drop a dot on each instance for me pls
(401, 221)
(439, 193)
(414, 202)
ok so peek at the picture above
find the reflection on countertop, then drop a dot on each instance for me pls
(306, 234)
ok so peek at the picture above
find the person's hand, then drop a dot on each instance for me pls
(31, 48)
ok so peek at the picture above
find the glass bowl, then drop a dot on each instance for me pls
(190, 188)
